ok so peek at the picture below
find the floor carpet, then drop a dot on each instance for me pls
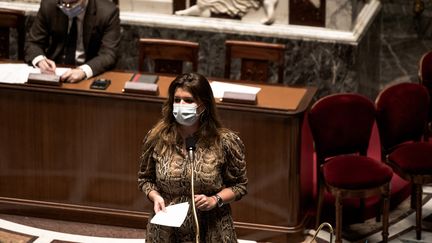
(19, 229)
(16, 229)
(401, 229)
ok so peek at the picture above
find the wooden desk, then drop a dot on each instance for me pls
(72, 153)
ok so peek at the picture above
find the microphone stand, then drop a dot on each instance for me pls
(319, 229)
(190, 145)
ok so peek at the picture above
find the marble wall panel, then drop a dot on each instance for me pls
(405, 38)
(368, 59)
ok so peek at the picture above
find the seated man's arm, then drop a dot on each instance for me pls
(103, 55)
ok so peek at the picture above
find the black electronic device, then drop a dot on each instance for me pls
(100, 83)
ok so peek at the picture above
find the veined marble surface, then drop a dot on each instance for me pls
(405, 38)
(294, 32)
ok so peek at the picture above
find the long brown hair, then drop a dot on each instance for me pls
(165, 131)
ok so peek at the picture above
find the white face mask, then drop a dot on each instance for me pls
(185, 114)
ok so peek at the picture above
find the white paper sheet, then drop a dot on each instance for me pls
(18, 73)
(59, 70)
(219, 88)
(14, 73)
(174, 215)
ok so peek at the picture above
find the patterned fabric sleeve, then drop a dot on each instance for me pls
(234, 172)
(147, 171)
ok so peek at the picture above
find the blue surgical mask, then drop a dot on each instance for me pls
(73, 11)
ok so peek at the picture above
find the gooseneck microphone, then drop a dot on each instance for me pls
(190, 147)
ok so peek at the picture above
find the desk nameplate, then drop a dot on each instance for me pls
(45, 79)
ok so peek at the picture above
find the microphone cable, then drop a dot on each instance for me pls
(190, 145)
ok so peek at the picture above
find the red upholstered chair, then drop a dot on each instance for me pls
(341, 126)
(402, 111)
(425, 78)
(168, 56)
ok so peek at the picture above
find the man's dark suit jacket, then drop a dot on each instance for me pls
(101, 34)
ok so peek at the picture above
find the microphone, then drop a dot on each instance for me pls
(190, 147)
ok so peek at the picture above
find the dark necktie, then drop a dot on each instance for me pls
(71, 43)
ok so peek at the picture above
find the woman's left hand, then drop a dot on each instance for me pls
(204, 203)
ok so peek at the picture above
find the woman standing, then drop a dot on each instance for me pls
(220, 167)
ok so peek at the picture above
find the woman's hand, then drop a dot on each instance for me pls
(158, 201)
(204, 203)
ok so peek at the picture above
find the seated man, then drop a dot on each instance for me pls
(82, 33)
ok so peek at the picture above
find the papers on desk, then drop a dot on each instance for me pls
(236, 93)
(18, 73)
(59, 70)
(14, 73)
(174, 215)
(219, 88)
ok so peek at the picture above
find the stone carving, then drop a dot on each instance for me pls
(316, 3)
(233, 8)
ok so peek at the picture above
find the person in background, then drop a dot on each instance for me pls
(84, 34)
(220, 168)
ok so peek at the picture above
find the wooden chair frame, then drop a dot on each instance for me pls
(10, 18)
(382, 190)
(168, 55)
(250, 53)
(417, 180)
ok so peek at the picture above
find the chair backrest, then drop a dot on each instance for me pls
(425, 75)
(256, 59)
(167, 56)
(12, 19)
(341, 124)
(401, 113)
(425, 68)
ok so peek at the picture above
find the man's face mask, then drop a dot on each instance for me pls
(71, 8)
